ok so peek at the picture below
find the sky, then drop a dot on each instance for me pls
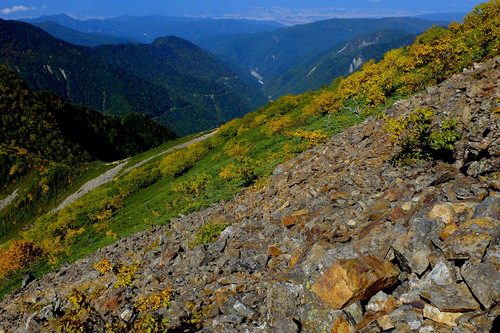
(82, 9)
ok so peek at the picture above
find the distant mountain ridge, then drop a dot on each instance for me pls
(271, 54)
(276, 56)
(147, 28)
(47, 63)
(80, 38)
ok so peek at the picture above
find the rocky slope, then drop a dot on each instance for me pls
(340, 240)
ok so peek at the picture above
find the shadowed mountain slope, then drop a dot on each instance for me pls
(191, 102)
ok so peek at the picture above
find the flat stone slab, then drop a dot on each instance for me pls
(450, 298)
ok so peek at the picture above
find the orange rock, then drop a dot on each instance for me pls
(350, 280)
(341, 326)
(397, 213)
(289, 221)
(386, 323)
(338, 195)
(448, 230)
(301, 212)
(274, 251)
(300, 217)
(470, 240)
(395, 194)
(293, 261)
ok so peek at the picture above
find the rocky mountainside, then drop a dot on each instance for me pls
(340, 240)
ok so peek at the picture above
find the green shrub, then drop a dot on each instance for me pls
(422, 136)
(208, 233)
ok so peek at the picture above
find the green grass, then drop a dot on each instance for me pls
(14, 219)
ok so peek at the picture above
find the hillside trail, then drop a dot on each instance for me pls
(8, 200)
(111, 174)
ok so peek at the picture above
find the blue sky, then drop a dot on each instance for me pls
(11, 9)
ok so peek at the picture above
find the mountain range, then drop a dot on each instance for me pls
(191, 100)
(147, 28)
(282, 59)
(318, 69)
(271, 54)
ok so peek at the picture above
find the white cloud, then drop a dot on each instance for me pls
(14, 9)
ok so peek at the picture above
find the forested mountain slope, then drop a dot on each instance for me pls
(47, 63)
(189, 73)
(45, 126)
(319, 69)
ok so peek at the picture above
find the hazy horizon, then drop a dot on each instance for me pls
(295, 11)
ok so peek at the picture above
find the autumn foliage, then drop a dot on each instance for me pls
(20, 254)
(436, 55)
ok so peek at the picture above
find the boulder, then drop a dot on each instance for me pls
(483, 279)
(350, 280)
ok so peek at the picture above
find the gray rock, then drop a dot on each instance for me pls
(232, 319)
(482, 279)
(441, 274)
(245, 311)
(47, 312)
(413, 251)
(450, 298)
(490, 207)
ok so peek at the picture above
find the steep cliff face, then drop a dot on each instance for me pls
(340, 240)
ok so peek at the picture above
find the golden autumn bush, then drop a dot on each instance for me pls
(180, 161)
(20, 254)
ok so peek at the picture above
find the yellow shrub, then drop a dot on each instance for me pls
(180, 161)
(236, 172)
(154, 301)
(314, 138)
(125, 275)
(326, 102)
(104, 266)
(194, 185)
(279, 125)
(20, 254)
(238, 150)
